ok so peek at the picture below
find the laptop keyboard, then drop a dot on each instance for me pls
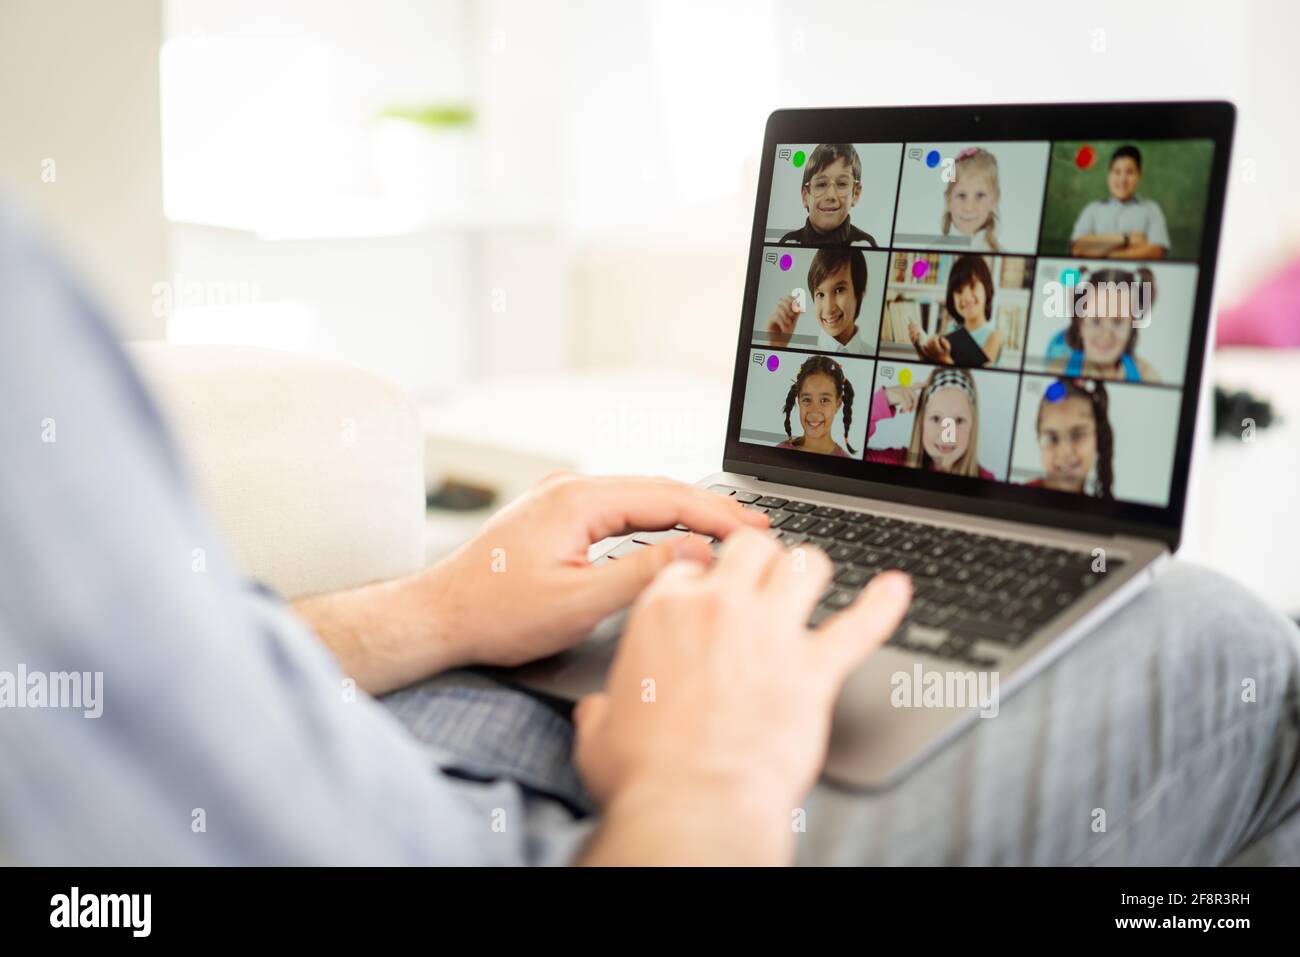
(975, 597)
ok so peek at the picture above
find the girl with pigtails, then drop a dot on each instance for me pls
(820, 390)
(1075, 439)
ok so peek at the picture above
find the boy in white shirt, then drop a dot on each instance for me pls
(837, 283)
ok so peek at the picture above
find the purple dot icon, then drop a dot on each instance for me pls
(773, 363)
(920, 268)
(786, 262)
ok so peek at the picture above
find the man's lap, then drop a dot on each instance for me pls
(1135, 747)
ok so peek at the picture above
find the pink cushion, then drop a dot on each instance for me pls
(1269, 316)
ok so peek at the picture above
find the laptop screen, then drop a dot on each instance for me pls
(1014, 314)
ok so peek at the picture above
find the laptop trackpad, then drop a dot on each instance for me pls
(579, 671)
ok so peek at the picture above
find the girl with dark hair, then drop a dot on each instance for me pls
(970, 305)
(1075, 439)
(821, 388)
(1102, 336)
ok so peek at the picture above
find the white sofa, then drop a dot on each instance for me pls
(313, 469)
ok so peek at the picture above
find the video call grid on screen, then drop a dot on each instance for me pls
(973, 260)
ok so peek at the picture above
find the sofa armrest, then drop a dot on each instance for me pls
(314, 470)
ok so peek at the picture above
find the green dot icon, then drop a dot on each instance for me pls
(798, 158)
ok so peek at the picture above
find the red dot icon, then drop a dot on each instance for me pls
(1085, 157)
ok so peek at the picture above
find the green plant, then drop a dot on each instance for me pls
(435, 116)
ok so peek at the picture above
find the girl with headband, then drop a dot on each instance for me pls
(945, 431)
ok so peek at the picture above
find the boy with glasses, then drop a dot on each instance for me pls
(832, 185)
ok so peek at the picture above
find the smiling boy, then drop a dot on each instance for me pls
(1124, 225)
(832, 186)
(837, 283)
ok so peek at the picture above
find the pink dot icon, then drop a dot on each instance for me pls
(920, 268)
(786, 262)
(773, 363)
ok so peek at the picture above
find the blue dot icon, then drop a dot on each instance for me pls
(932, 159)
(1055, 392)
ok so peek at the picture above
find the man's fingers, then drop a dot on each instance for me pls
(796, 578)
(612, 506)
(745, 556)
(846, 640)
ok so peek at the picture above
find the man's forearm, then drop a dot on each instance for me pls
(387, 635)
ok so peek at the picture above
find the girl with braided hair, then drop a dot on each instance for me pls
(820, 389)
(1075, 439)
(945, 431)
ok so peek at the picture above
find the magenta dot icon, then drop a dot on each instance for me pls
(920, 268)
(786, 262)
(773, 363)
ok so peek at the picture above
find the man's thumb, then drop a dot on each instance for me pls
(620, 580)
(589, 712)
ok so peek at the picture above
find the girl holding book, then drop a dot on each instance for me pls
(970, 304)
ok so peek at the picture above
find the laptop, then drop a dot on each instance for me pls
(1028, 498)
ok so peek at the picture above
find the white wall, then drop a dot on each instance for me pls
(79, 87)
(619, 143)
(647, 115)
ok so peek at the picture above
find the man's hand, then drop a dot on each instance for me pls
(522, 588)
(717, 712)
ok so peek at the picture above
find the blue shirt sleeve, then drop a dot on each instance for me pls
(226, 733)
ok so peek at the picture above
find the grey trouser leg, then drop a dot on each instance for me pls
(1143, 720)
